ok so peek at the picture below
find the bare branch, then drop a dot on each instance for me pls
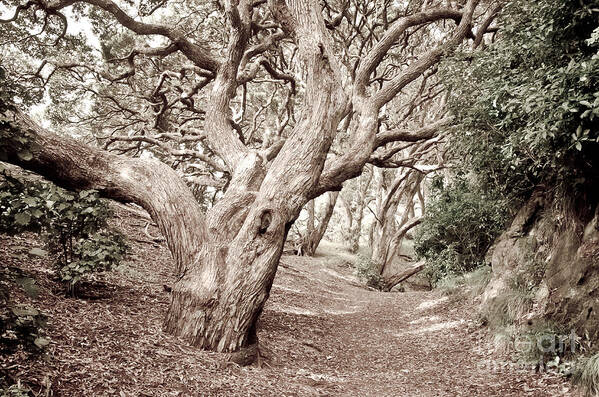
(406, 135)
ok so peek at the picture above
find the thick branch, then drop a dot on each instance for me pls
(149, 183)
(405, 135)
(432, 57)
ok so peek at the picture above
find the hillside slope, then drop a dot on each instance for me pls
(321, 333)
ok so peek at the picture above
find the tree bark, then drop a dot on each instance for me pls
(389, 234)
(226, 260)
(219, 299)
(362, 202)
(403, 276)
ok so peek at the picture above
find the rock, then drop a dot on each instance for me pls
(557, 258)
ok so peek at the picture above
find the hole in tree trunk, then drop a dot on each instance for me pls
(265, 221)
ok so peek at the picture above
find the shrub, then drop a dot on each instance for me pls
(459, 226)
(532, 100)
(21, 327)
(367, 271)
(74, 226)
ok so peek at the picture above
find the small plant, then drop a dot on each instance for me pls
(472, 283)
(367, 271)
(586, 375)
(74, 226)
(21, 326)
(99, 252)
(16, 390)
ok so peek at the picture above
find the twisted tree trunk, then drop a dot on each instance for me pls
(226, 260)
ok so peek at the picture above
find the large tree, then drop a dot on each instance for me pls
(175, 92)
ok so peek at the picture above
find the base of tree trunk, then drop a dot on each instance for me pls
(403, 276)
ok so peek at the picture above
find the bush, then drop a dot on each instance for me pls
(459, 226)
(367, 271)
(21, 327)
(533, 100)
(74, 226)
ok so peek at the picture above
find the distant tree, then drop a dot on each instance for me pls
(316, 225)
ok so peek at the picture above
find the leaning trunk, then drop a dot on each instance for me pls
(218, 300)
(227, 260)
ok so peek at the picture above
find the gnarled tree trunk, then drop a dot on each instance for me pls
(226, 259)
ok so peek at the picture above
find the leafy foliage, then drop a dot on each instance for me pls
(459, 226)
(21, 326)
(533, 100)
(73, 224)
(531, 119)
(367, 271)
(16, 390)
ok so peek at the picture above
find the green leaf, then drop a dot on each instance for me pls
(29, 286)
(41, 342)
(30, 201)
(22, 218)
(38, 252)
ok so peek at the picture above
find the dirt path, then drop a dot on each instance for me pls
(351, 341)
(321, 334)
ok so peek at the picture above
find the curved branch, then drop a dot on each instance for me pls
(375, 56)
(149, 183)
(432, 57)
(194, 52)
(406, 135)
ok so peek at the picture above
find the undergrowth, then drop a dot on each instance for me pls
(586, 375)
(470, 284)
(73, 224)
(367, 272)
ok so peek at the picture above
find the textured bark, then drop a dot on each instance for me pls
(361, 203)
(218, 301)
(149, 183)
(389, 233)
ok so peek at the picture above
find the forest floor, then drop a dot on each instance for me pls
(321, 334)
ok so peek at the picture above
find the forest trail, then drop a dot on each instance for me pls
(357, 342)
(321, 333)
